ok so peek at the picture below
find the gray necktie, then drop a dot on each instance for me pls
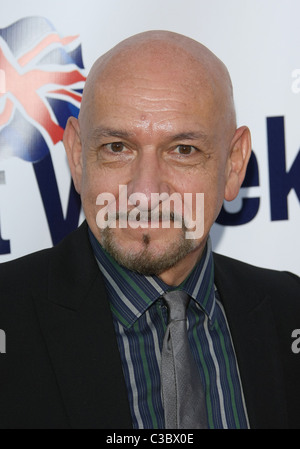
(182, 391)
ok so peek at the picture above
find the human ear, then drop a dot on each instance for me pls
(73, 147)
(238, 158)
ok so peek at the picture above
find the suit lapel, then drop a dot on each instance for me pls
(77, 325)
(249, 313)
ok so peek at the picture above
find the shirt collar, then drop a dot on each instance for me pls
(131, 294)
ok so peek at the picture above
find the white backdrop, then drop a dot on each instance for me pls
(258, 40)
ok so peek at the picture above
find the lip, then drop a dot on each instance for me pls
(160, 223)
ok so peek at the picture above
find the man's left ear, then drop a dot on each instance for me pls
(239, 155)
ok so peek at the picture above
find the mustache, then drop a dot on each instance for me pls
(150, 215)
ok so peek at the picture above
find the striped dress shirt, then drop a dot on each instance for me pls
(140, 320)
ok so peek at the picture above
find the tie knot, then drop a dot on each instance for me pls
(177, 302)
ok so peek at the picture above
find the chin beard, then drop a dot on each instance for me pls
(148, 261)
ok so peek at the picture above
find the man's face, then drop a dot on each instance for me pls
(154, 133)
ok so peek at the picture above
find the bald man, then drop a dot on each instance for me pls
(153, 154)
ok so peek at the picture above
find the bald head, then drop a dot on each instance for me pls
(162, 56)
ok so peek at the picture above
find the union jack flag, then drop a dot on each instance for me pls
(41, 84)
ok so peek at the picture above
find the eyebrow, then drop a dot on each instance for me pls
(191, 135)
(99, 132)
(96, 133)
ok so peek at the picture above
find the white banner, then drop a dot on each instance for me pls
(47, 49)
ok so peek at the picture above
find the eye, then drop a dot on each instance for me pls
(185, 149)
(115, 147)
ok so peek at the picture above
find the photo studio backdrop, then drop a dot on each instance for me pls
(46, 52)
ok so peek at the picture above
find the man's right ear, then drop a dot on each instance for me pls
(73, 147)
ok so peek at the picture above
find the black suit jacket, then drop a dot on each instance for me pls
(62, 367)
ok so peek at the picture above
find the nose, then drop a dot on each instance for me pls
(149, 177)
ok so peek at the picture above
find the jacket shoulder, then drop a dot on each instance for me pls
(252, 283)
(242, 271)
(20, 275)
